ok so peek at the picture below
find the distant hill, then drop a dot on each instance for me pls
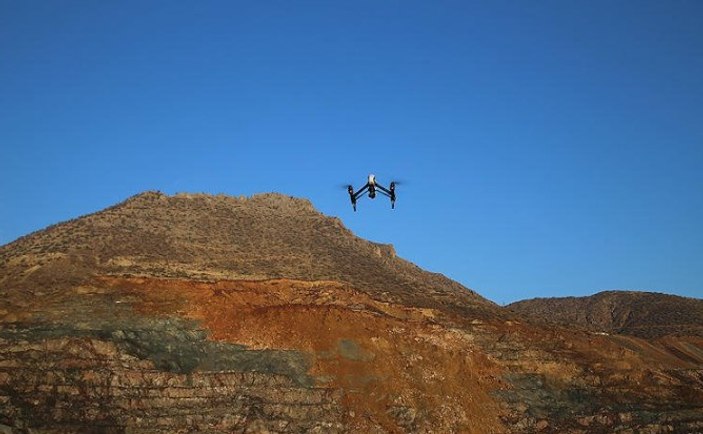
(643, 314)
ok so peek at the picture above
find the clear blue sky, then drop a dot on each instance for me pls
(551, 147)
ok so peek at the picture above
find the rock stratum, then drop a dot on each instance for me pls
(199, 313)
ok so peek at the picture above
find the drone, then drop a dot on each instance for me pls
(372, 187)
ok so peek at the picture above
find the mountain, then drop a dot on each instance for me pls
(207, 237)
(643, 314)
(200, 313)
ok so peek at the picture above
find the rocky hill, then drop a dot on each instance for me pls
(643, 314)
(204, 237)
(198, 313)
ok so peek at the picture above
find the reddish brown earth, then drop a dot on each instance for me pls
(379, 354)
(209, 314)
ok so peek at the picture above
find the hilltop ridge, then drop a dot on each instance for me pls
(202, 236)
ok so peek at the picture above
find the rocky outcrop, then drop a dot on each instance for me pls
(76, 384)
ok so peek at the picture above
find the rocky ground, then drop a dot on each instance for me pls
(130, 320)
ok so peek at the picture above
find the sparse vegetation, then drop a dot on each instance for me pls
(265, 236)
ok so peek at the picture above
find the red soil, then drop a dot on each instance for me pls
(395, 366)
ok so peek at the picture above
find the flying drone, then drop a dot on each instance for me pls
(372, 187)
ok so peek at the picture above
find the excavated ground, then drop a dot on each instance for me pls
(396, 366)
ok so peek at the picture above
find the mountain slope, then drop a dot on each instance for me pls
(198, 313)
(214, 237)
(642, 314)
(229, 314)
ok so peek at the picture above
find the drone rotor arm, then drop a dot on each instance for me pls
(383, 192)
(383, 189)
(361, 191)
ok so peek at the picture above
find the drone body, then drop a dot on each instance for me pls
(372, 187)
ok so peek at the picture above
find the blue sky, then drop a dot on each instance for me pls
(550, 148)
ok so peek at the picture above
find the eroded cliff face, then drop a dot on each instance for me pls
(144, 354)
(85, 384)
(137, 324)
(242, 356)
